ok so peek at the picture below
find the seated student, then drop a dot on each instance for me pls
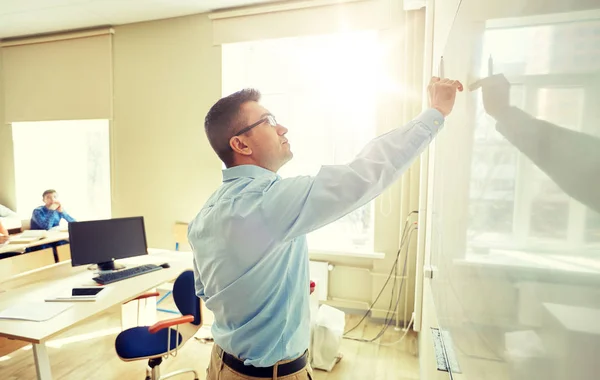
(49, 215)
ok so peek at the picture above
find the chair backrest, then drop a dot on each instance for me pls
(184, 295)
(25, 224)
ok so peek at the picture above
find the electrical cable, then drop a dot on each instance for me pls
(389, 276)
(394, 269)
(404, 232)
(387, 322)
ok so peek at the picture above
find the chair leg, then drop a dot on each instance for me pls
(154, 365)
(180, 372)
(166, 310)
(163, 297)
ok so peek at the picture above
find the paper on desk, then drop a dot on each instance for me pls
(34, 311)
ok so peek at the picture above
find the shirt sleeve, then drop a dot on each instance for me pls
(67, 217)
(43, 219)
(198, 284)
(570, 158)
(296, 206)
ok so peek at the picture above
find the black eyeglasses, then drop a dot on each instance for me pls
(269, 118)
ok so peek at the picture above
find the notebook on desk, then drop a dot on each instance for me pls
(28, 236)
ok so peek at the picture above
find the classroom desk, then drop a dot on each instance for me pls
(46, 282)
(52, 237)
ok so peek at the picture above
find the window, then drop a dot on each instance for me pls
(69, 156)
(511, 198)
(323, 89)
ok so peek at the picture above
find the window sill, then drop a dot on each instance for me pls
(353, 254)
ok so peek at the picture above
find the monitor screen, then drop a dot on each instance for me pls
(103, 241)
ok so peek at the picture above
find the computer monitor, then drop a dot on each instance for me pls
(102, 242)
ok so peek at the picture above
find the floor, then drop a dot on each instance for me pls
(87, 352)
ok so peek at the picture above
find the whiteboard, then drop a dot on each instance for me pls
(515, 223)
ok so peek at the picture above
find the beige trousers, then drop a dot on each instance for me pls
(217, 370)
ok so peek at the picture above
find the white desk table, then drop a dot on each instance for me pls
(46, 282)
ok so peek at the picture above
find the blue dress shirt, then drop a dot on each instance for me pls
(44, 219)
(249, 241)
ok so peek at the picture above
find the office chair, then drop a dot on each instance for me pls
(164, 338)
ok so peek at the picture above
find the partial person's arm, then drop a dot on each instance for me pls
(43, 219)
(3, 234)
(570, 158)
(297, 206)
(66, 217)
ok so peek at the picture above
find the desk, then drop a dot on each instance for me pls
(52, 237)
(42, 283)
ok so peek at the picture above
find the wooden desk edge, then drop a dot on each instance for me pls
(22, 339)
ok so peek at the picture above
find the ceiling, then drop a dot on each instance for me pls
(27, 17)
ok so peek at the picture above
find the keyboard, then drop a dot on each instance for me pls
(110, 277)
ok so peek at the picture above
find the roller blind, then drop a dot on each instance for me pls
(299, 19)
(67, 77)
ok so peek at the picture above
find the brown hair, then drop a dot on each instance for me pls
(50, 191)
(223, 119)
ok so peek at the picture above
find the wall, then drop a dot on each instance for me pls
(166, 77)
(7, 172)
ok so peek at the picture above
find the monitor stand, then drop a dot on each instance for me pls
(110, 265)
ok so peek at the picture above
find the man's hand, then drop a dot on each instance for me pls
(3, 239)
(496, 94)
(442, 94)
(59, 208)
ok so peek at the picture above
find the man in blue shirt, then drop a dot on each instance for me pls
(249, 240)
(49, 215)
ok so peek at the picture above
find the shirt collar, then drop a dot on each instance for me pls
(246, 171)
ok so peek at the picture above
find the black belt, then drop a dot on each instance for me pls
(265, 372)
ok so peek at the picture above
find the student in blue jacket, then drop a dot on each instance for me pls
(49, 215)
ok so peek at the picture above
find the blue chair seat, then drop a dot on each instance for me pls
(137, 342)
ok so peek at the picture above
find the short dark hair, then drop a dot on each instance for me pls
(223, 119)
(49, 191)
